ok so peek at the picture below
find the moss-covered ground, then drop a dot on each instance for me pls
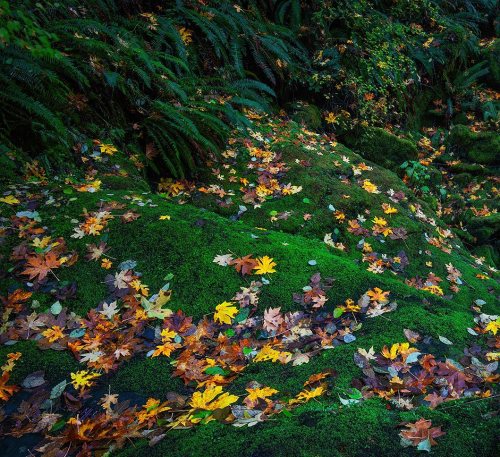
(206, 225)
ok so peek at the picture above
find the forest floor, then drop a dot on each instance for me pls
(298, 299)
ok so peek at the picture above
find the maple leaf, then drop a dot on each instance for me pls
(165, 349)
(388, 209)
(264, 265)
(91, 357)
(83, 378)
(41, 265)
(10, 200)
(31, 322)
(130, 216)
(223, 260)
(122, 279)
(378, 295)
(109, 310)
(306, 395)
(15, 299)
(421, 434)
(493, 327)
(54, 333)
(94, 251)
(207, 400)
(272, 319)
(244, 265)
(6, 391)
(106, 264)
(368, 355)
(224, 312)
(46, 422)
(370, 187)
(434, 399)
(258, 393)
(316, 377)
(268, 353)
(107, 401)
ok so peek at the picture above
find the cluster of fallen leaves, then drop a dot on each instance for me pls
(207, 355)
(210, 354)
(406, 375)
(248, 264)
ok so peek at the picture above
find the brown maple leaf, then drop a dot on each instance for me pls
(420, 431)
(130, 216)
(244, 265)
(39, 266)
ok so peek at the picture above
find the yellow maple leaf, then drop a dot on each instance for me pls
(260, 393)
(378, 295)
(167, 335)
(388, 209)
(380, 221)
(265, 265)
(83, 378)
(331, 118)
(370, 187)
(224, 312)
(208, 400)
(10, 200)
(106, 264)
(165, 349)
(268, 353)
(54, 333)
(307, 395)
(493, 327)
(108, 148)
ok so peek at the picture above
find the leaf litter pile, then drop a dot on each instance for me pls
(81, 416)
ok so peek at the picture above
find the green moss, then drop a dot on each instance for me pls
(381, 147)
(56, 364)
(148, 377)
(321, 429)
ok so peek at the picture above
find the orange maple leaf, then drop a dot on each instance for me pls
(6, 391)
(41, 265)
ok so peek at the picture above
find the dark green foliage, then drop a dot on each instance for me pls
(70, 71)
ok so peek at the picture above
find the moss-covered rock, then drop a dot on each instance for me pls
(381, 147)
(307, 114)
(485, 229)
(482, 147)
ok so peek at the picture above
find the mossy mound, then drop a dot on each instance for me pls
(481, 147)
(381, 147)
(181, 236)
